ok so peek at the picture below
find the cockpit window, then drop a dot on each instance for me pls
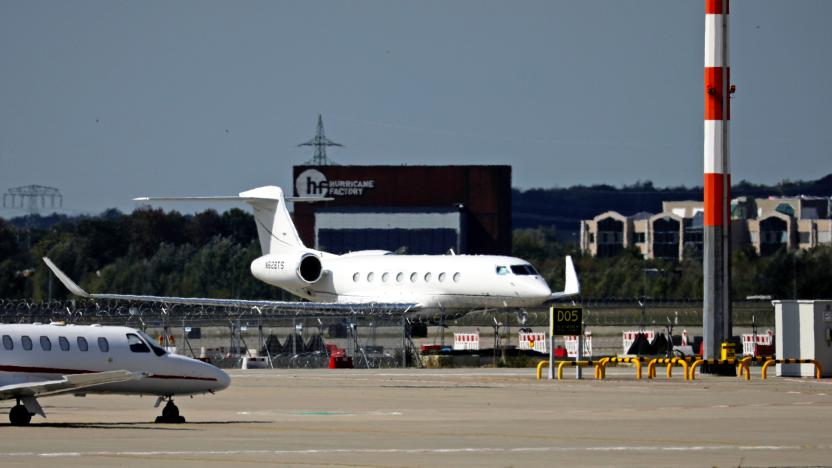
(523, 270)
(156, 350)
(136, 344)
(502, 270)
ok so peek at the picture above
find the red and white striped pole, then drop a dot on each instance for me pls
(717, 226)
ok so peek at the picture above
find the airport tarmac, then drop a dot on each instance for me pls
(453, 417)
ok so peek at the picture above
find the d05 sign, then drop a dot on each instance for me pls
(565, 321)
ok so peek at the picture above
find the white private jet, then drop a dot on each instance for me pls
(422, 286)
(40, 360)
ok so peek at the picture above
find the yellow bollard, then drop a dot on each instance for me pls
(600, 368)
(692, 370)
(637, 361)
(603, 364)
(651, 368)
(744, 368)
(684, 364)
(679, 361)
(818, 370)
(765, 367)
(560, 369)
(540, 368)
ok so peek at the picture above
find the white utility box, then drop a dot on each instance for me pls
(803, 330)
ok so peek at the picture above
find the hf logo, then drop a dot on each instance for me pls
(314, 183)
(311, 183)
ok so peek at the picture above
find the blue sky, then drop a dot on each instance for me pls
(108, 100)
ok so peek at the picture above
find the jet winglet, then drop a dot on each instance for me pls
(73, 288)
(571, 286)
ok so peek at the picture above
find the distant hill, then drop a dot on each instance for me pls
(563, 208)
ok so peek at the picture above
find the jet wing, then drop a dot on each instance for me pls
(296, 307)
(67, 384)
(571, 286)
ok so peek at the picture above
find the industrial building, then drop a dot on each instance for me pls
(767, 224)
(406, 209)
(412, 209)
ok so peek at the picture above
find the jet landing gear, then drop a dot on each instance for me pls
(170, 413)
(19, 415)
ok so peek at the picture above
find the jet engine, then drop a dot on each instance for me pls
(288, 269)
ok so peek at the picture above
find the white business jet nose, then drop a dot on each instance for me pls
(211, 377)
(223, 380)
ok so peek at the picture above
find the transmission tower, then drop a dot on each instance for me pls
(33, 197)
(320, 142)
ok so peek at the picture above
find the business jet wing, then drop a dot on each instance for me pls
(296, 307)
(67, 384)
(571, 286)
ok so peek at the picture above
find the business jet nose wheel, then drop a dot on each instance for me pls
(19, 415)
(170, 414)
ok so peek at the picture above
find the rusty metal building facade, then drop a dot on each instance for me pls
(414, 209)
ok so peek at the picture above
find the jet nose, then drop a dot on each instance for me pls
(223, 379)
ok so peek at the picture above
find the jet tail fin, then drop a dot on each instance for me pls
(571, 286)
(275, 228)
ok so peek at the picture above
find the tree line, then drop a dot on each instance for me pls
(784, 275)
(208, 254)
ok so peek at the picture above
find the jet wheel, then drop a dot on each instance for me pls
(19, 416)
(170, 414)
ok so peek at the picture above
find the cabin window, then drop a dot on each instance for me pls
(502, 270)
(63, 343)
(400, 277)
(26, 342)
(428, 277)
(82, 344)
(8, 343)
(442, 277)
(413, 277)
(103, 345)
(136, 344)
(45, 344)
(385, 276)
(370, 276)
(457, 277)
(356, 277)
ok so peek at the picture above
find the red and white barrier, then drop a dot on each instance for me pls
(466, 341)
(535, 341)
(758, 345)
(571, 343)
(630, 336)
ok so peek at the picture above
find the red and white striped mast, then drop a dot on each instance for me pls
(717, 226)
